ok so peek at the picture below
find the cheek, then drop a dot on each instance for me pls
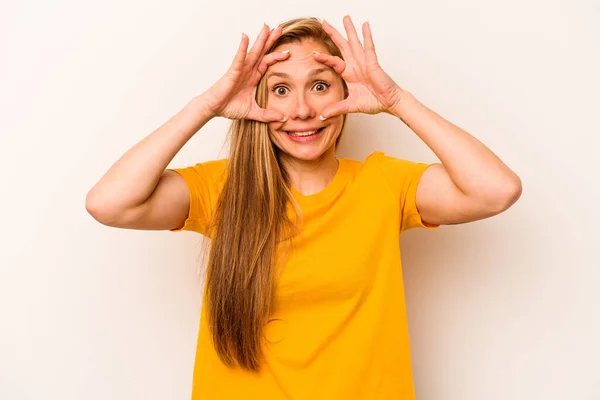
(327, 101)
(274, 127)
(276, 103)
(335, 95)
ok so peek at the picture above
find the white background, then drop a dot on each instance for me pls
(505, 308)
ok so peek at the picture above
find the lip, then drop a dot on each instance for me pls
(305, 139)
(303, 130)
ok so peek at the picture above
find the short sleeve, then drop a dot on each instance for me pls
(205, 182)
(403, 178)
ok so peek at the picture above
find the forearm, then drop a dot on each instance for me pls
(131, 180)
(473, 168)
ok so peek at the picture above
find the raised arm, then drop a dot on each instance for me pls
(471, 182)
(138, 192)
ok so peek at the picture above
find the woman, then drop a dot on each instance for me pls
(304, 295)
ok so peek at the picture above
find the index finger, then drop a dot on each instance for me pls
(273, 36)
(275, 33)
(337, 38)
(271, 59)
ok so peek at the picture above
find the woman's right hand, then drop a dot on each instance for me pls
(234, 95)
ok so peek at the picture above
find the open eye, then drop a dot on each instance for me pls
(321, 86)
(280, 90)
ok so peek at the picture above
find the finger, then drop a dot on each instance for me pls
(338, 65)
(270, 59)
(337, 38)
(238, 61)
(265, 115)
(259, 44)
(371, 55)
(341, 107)
(355, 43)
(275, 33)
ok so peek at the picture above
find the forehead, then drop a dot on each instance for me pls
(301, 58)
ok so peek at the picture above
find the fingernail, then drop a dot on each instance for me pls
(322, 118)
(284, 119)
(285, 51)
(316, 52)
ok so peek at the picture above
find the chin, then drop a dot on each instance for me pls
(305, 155)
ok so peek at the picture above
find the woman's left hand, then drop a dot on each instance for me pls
(370, 89)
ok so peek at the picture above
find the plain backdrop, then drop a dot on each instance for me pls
(505, 308)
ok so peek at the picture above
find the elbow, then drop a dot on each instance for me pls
(507, 194)
(100, 209)
(513, 191)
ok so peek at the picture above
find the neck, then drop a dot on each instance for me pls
(311, 176)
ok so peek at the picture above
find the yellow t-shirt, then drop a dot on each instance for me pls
(339, 328)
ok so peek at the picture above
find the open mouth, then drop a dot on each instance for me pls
(306, 133)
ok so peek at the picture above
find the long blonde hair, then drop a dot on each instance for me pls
(250, 223)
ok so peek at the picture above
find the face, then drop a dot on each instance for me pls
(300, 88)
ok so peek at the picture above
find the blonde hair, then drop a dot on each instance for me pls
(250, 224)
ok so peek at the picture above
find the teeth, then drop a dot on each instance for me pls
(302, 133)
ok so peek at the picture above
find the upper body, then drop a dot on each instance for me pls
(333, 302)
(338, 329)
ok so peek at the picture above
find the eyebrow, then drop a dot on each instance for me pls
(313, 72)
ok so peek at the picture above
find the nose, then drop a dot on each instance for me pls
(301, 108)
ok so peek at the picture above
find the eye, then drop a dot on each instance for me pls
(280, 90)
(321, 86)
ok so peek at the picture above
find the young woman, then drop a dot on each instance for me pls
(304, 296)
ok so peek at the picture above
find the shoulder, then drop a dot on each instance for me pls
(376, 164)
(397, 173)
(397, 166)
(217, 169)
(212, 170)
(372, 159)
(213, 166)
(386, 164)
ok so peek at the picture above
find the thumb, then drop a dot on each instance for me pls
(264, 115)
(341, 107)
